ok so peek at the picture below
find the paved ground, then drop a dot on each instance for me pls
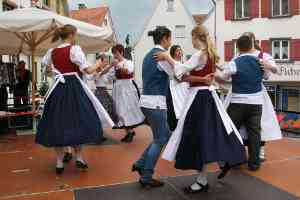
(27, 170)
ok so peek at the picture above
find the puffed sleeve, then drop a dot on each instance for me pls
(271, 61)
(191, 64)
(47, 59)
(129, 66)
(78, 57)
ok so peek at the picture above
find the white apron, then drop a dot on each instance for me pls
(174, 141)
(101, 112)
(179, 92)
(270, 129)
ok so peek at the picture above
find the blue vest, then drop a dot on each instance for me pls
(249, 76)
(155, 82)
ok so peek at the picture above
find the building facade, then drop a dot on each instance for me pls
(275, 24)
(172, 14)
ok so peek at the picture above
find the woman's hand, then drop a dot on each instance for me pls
(209, 78)
(161, 56)
(265, 65)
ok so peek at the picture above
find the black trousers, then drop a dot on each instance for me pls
(249, 116)
(3, 107)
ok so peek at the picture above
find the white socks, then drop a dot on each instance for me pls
(262, 152)
(59, 162)
(202, 179)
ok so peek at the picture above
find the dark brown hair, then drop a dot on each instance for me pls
(244, 43)
(253, 38)
(173, 50)
(159, 34)
(118, 48)
(64, 32)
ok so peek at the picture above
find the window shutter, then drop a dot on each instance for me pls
(228, 46)
(294, 7)
(266, 46)
(295, 50)
(228, 5)
(254, 8)
(265, 8)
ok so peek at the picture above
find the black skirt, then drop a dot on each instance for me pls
(204, 138)
(69, 117)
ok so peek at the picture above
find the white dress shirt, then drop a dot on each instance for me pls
(158, 101)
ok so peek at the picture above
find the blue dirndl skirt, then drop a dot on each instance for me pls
(69, 117)
(204, 137)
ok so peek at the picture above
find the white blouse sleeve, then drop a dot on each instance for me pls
(78, 57)
(47, 59)
(193, 63)
(271, 61)
(129, 66)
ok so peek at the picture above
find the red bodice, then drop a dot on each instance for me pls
(207, 69)
(62, 62)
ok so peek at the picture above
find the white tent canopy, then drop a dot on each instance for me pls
(30, 30)
(36, 26)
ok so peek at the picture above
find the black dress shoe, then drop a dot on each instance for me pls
(136, 169)
(153, 183)
(59, 170)
(224, 171)
(128, 137)
(67, 157)
(81, 165)
(190, 190)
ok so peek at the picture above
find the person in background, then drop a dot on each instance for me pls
(20, 90)
(177, 92)
(125, 94)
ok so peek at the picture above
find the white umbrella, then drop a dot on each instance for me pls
(30, 31)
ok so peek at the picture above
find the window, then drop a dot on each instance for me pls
(281, 49)
(180, 31)
(241, 9)
(170, 6)
(280, 8)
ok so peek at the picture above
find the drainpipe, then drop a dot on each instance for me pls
(215, 22)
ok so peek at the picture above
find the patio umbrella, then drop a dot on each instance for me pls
(30, 30)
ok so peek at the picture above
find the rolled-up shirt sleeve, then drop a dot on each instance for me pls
(166, 67)
(78, 57)
(229, 70)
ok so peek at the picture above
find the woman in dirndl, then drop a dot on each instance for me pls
(101, 79)
(72, 115)
(125, 94)
(177, 92)
(205, 132)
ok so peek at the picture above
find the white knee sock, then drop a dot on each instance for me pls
(59, 162)
(262, 152)
(202, 179)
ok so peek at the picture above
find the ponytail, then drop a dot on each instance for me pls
(63, 32)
